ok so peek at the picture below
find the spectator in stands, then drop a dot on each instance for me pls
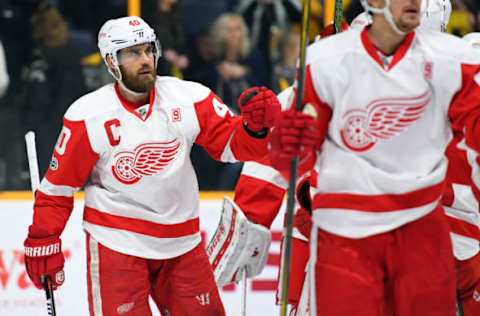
(284, 70)
(200, 70)
(201, 14)
(169, 25)
(237, 67)
(263, 16)
(201, 57)
(474, 7)
(15, 34)
(89, 15)
(52, 80)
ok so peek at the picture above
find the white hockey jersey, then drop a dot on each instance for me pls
(142, 195)
(387, 124)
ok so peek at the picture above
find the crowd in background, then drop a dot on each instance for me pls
(49, 58)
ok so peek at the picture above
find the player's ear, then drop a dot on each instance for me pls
(110, 62)
(112, 66)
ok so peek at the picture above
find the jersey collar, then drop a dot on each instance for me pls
(132, 106)
(397, 56)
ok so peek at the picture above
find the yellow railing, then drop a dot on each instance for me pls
(27, 195)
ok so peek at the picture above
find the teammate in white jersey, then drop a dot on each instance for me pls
(387, 99)
(132, 139)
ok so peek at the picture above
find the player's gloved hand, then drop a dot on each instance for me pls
(259, 107)
(302, 220)
(43, 255)
(294, 134)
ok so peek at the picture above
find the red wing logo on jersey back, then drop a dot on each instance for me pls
(383, 119)
(146, 160)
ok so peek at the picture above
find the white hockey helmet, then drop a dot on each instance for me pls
(385, 11)
(120, 33)
(435, 14)
(362, 20)
(473, 39)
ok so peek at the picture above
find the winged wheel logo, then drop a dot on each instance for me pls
(145, 160)
(382, 120)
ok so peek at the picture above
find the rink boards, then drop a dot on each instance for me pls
(18, 297)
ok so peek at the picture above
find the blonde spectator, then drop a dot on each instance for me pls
(237, 67)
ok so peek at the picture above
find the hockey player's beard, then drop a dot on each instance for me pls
(140, 82)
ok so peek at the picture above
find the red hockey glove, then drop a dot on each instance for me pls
(302, 220)
(295, 134)
(43, 255)
(259, 107)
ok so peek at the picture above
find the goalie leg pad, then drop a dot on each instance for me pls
(237, 246)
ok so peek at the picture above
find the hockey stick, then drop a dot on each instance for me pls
(285, 278)
(35, 183)
(244, 292)
(32, 161)
(459, 305)
(338, 14)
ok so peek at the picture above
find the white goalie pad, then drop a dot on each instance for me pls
(238, 246)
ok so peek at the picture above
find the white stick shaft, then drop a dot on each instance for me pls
(35, 183)
(32, 161)
(244, 293)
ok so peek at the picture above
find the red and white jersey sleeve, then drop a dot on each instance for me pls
(223, 135)
(142, 197)
(382, 162)
(73, 159)
(259, 191)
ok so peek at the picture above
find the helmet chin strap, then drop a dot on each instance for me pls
(388, 15)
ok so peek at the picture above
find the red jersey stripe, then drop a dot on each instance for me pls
(463, 228)
(141, 226)
(379, 202)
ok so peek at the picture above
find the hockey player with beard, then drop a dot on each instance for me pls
(132, 139)
(387, 99)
